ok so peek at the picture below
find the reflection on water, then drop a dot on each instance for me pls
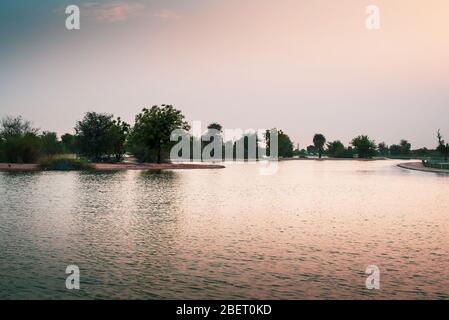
(307, 232)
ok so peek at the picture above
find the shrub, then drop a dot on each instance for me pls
(64, 163)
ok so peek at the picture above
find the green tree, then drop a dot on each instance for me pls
(149, 140)
(311, 150)
(395, 150)
(364, 147)
(319, 141)
(50, 145)
(405, 147)
(215, 126)
(383, 149)
(19, 142)
(285, 144)
(336, 149)
(443, 147)
(100, 138)
(69, 143)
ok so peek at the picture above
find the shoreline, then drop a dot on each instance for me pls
(32, 167)
(333, 159)
(418, 166)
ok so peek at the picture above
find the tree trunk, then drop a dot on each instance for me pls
(159, 151)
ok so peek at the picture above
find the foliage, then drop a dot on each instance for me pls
(336, 149)
(63, 163)
(364, 147)
(68, 142)
(319, 141)
(443, 147)
(50, 145)
(19, 142)
(311, 150)
(285, 145)
(149, 140)
(383, 149)
(405, 147)
(100, 138)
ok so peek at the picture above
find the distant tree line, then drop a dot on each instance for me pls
(101, 137)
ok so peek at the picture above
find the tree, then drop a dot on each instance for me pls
(215, 126)
(68, 143)
(336, 149)
(150, 137)
(443, 147)
(405, 147)
(11, 127)
(319, 141)
(100, 138)
(364, 147)
(285, 145)
(19, 142)
(383, 149)
(214, 131)
(50, 144)
(311, 150)
(395, 150)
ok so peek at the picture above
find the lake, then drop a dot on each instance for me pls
(307, 232)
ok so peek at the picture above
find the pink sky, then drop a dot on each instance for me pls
(304, 66)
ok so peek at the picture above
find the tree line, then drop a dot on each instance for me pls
(364, 147)
(100, 137)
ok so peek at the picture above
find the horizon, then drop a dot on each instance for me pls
(301, 66)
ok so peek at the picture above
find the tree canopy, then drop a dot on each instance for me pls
(100, 138)
(319, 140)
(149, 139)
(364, 147)
(443, 147)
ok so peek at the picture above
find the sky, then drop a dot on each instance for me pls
(303, 66)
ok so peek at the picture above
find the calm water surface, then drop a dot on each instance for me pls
(307, 232)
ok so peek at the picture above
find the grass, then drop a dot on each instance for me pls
(64, 163)
(436, 164)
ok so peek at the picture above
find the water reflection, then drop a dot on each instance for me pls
(307, 232)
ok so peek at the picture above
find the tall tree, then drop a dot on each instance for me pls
(50, 145)
(443, 147)
(336, 149)
(150, 137)
(406, 147)
(285, 144)
(68, 143)
(19, 142)
(101, 138)
(319, 141)
(365, 148)
(383, 149)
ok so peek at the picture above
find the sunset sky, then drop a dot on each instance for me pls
(304, 66)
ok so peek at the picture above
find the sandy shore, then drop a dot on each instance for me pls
(418, 166)
(117, 166)
(153, 166)
(331, 159)
(19, 167)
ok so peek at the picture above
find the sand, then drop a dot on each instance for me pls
(418, 166)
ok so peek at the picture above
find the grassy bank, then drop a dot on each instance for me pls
(64, 163)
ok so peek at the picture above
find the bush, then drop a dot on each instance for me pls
(436, 164)
(63, 163)
(19, 142)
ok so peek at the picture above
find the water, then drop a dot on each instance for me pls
(307, 232)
